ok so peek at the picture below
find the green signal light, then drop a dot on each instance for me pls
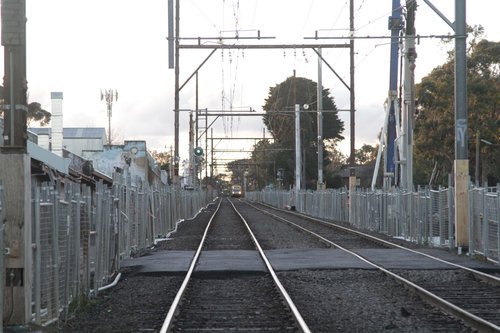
(198, 151)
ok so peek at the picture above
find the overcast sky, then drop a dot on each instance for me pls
(83, 47)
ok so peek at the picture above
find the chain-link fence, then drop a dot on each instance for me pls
(81, 232)
(425, 216)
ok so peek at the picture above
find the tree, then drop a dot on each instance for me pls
(238, 169)
(35, 111)
(162, 159)
(336, 161)
(435, 122)
(365, 155)
(298, 90)
(37, 114)
(280, 121)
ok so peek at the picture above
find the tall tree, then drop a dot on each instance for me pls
(162, 159)
(366, 155)
(280, 121)
(280, 104)
(435, 123)
(238, 169)
(35, 111)
(37, 114)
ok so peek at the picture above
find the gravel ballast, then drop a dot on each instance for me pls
(349, 300)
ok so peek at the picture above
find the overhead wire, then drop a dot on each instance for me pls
(205, 16)
(306, 19)
(371, 22)
(234, 59)
(232, 92)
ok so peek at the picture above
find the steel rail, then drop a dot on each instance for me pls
(450, 308)
(175, 304)
(289, 302)
(484, 276)
(167, 324)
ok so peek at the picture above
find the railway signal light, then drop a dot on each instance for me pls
(198, 151)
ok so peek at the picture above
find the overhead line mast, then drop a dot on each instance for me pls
(395, 25)
(174, 42)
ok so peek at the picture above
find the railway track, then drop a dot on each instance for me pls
(234, 301)
(465, 293)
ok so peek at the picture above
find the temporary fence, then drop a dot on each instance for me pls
(81, 232)
(328, 204)
(485, 231)
(421, 217)
(425, 216)
(2, 248)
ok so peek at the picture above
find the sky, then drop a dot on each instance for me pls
(84, 47)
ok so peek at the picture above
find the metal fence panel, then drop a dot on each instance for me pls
(425, 216)
(48, 256)
(484, 228)
(2, 248)
(81, 232)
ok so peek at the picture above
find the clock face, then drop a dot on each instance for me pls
(133, 150)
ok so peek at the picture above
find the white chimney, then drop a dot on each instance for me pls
(44, 140)
(57, 122)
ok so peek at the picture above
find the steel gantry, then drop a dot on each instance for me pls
(175, 46)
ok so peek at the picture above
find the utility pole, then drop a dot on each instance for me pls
(319, 104)
(461, 163)
(15, 83)
(191, 150)
(15, 170)
(352, 169)
(176, 95)
(408, 113)
(298, 161)
(211, 155)
(461, 138)
(206, 148)
(109, 96)
(395, 25)
(196, 166)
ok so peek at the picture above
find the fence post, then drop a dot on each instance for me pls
(2, 249)
(440, 217)
(55, 247)
(497, 206)
(89, 209)
(484, 222)
(75, 203)
(98, 233)
(451, 220)
(472, 225)
(38, 255)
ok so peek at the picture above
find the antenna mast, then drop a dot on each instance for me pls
(109, 95)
